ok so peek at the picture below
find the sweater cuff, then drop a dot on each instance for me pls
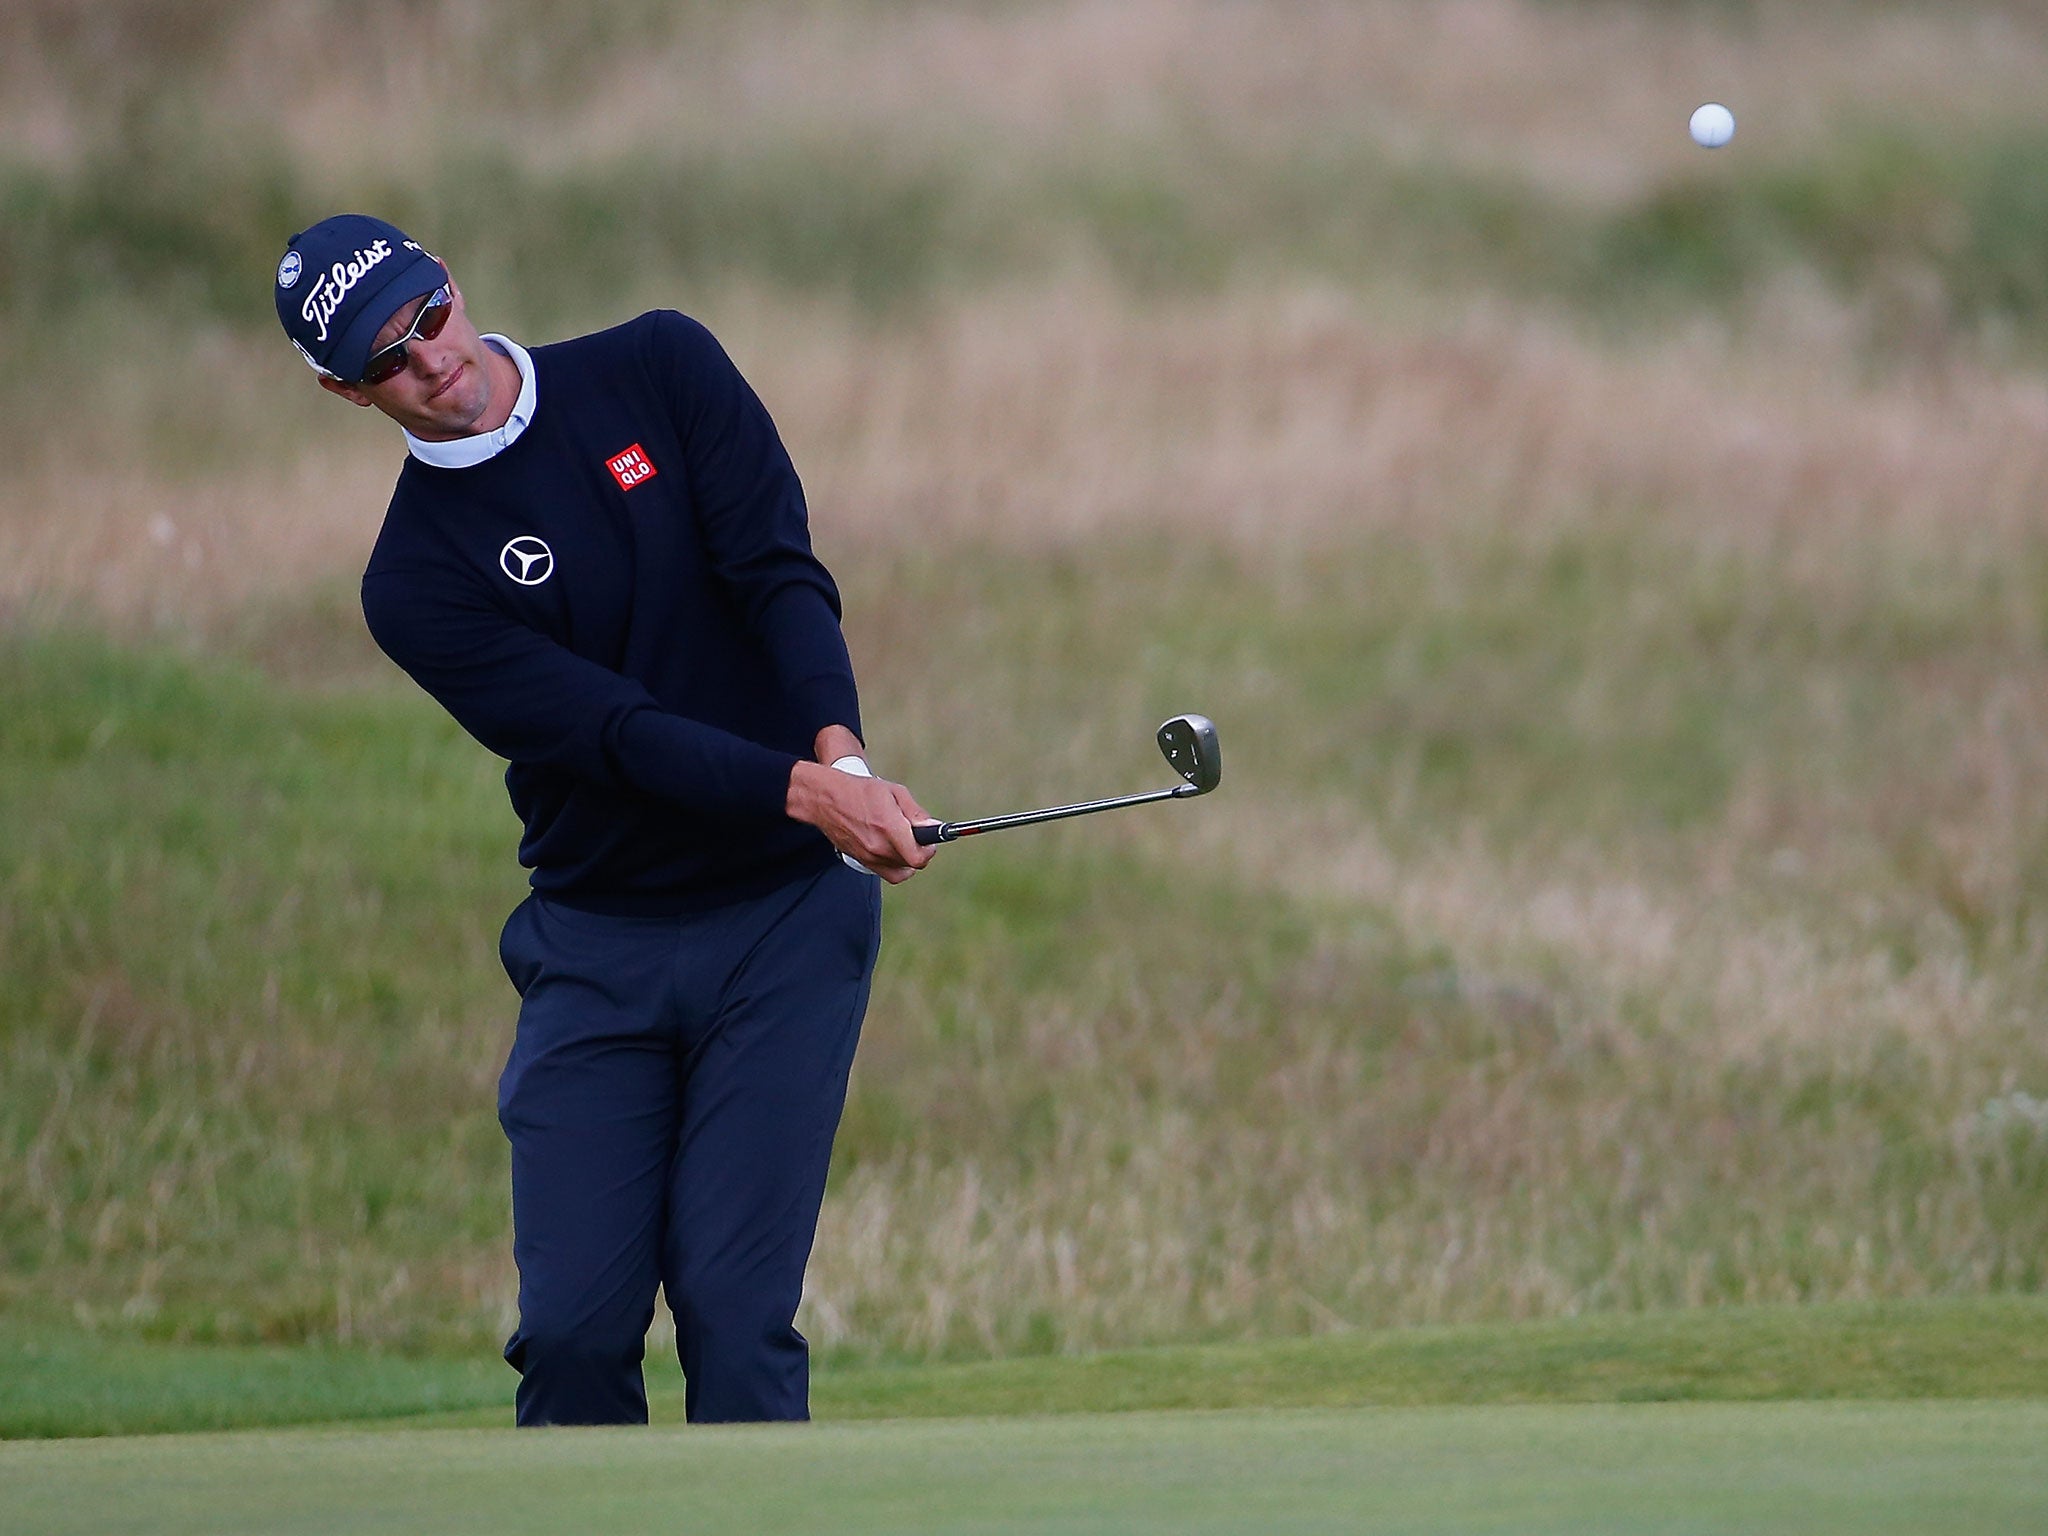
(774, 784)
(828, 701)
(756, 781)
(678, 760)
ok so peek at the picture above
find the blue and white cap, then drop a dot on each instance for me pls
(341, 280)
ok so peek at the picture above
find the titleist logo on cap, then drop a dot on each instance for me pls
(335, 283)
(343, 278)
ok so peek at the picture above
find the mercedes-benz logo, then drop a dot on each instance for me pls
(527, 560)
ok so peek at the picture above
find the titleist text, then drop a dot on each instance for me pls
(334, 285)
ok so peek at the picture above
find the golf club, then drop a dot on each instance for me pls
(1189, 743)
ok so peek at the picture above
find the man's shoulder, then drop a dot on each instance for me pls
(417, 570)
(643, 338)
(663, 355)
(421, 502)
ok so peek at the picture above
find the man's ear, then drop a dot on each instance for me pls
(347, 392)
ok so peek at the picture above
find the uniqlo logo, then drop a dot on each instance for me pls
(630, 468)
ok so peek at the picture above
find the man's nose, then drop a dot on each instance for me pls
(428, 359)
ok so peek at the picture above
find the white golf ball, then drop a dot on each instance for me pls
(1712, 126)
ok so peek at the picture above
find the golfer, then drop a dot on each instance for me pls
(597, 559)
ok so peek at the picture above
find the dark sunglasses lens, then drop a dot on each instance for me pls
(432, 318)
(388, 364)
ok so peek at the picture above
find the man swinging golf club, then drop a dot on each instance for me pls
(597, 559)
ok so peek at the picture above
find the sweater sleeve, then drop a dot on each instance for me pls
(756, 529)
(532, 701)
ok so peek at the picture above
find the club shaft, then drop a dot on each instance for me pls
(947, 832)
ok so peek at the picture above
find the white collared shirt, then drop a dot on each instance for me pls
(464, 452)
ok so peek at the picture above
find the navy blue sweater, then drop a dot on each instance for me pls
(624, 604)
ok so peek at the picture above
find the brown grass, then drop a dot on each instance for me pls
(1594, 1102)
(1590, 97)
(1271, 417)
(1268, 420)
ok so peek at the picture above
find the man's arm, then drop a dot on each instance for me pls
(530, 700)
(750, 508)
(533, 701)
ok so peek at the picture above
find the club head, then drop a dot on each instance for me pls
(1189, 742)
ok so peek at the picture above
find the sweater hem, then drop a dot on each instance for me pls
(805, 864)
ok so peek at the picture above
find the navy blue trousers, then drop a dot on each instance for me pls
(671, 1099)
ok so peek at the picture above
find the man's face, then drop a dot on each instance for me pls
(445, 386)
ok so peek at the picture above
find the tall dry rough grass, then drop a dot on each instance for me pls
(1613, 1090)
(1585, 96)
(1267, 421)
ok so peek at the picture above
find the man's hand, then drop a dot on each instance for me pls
(868, 819)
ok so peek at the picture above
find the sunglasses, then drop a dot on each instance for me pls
(389, 362)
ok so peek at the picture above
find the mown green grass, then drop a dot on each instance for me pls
(55, 1381)
(1992, 1348)
(1810, 1469)
(59, 1383)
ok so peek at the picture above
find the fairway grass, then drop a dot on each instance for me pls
(1994, 1348)
(1807, 1468)
(56, 1383)
(66, 1385)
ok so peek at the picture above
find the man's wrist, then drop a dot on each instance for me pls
(835, 742)
(802, 795)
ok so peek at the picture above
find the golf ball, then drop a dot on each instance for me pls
(1713, 125)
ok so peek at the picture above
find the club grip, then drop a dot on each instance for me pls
(928, 833)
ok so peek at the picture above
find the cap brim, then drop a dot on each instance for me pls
(415, 279)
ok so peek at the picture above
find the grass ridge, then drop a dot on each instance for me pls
(72, 1385)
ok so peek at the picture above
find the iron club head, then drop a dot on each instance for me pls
(1189, 742)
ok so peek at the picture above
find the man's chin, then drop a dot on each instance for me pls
(452, 395)
(456, 412)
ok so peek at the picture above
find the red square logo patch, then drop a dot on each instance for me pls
(631, 467)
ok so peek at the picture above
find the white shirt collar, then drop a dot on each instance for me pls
(465, 452)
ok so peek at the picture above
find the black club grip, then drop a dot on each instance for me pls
(928, 833)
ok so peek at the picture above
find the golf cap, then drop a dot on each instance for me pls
(341, 280)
